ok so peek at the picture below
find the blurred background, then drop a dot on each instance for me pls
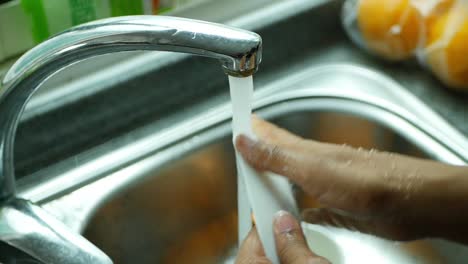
(25, 23)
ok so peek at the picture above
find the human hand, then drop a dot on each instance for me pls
(385, 194)
(290, 244)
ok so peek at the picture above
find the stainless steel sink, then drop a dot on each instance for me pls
(178, 203)
(165, 192)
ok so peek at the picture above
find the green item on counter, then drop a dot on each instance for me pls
(49, 17)
(15, 33)
(125, 7)
(36, 20)
(82, 11)
(35, 10)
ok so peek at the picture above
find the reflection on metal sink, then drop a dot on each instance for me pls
(186, 212)
(177, 204)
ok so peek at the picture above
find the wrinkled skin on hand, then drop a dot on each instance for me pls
(290, 244)
(388, 195)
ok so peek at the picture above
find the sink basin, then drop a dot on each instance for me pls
(186, 212)
(159, 185)
(182, 209)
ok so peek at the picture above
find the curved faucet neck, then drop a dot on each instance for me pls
(239, 52)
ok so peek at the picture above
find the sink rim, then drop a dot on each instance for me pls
(370, 89)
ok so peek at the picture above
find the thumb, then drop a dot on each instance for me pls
(290, 242)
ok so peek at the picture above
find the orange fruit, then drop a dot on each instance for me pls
(390, 28)
(446, 50)
(439, 9)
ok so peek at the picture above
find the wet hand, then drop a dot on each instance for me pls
(385, 194)
(290, 244)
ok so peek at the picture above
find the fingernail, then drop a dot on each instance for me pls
(284, 222)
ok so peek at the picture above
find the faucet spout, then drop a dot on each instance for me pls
(239, 52)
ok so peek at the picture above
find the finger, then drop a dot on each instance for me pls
(300, 168)
(320, 172)
(290, 242)
(263, 156)
(272, 134)
(251, 250)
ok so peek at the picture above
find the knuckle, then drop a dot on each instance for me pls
(274, 154)
(254, 260)
(289, 253)
(262, 260)
(267, 155)
(275, 151)
(258, 154)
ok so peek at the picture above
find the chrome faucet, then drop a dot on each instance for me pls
(27, 226)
